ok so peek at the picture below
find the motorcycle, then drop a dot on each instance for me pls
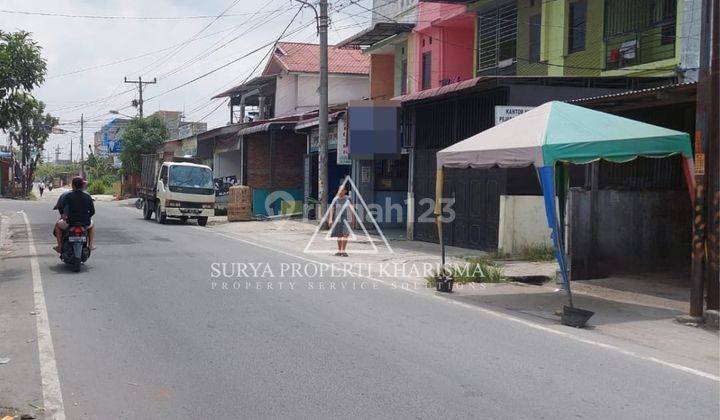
(75, 250)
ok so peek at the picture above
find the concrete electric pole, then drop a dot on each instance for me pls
(140, 84)
(322, 28)
(323, 111)
(704, 270)
(82, 146)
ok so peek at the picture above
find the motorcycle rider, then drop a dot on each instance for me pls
(76, 208)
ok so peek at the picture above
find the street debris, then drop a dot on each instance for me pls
(4, 360)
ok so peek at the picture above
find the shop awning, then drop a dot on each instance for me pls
(560, 132)
(264, 127)
(314, 122)
(250, 85)
(376, 33)
(557, 132)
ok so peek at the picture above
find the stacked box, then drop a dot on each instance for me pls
(239, 207)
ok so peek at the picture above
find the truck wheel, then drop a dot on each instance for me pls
(159, 216)
(202, 221)
(147, 210)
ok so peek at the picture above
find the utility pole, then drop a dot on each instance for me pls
(57, 154)
(704, 241)
(323, 111)
(140, 84)
(71, 151)
(82, 146)
(322, 28)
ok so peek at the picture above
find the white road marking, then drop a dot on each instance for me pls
(52, 395)
(496, 314)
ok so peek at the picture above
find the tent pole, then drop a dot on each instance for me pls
(439, 179)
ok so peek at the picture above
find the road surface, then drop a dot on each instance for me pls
(147, 331)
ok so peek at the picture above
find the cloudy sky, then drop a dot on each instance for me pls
(89, 54)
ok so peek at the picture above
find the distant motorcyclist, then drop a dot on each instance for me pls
(76, 208)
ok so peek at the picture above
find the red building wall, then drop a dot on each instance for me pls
(447, 32)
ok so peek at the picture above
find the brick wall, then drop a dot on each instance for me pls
(281, 168)
(382, 76)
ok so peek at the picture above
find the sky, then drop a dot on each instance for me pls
(88, 58)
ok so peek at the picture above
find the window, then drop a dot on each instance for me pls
(631, 16)
(191, 176)
(403, 76)
(164, 175)
(497, 40)
(639, 31)
(426, 70)
(534, 45)
(576, 28)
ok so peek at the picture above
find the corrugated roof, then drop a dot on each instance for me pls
(251, 84)
(267, 126)
(442, 90)
(305, 58)
(630, 93)
(313, 122)
(376, 33)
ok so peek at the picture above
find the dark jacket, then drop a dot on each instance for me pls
(78, 207)
(60, 205)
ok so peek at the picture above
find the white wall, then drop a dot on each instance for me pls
(286, 94)
(341, 89)
(295, 93)
(227, 164)
(522, 223)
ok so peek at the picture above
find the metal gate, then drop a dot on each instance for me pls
(476, 195)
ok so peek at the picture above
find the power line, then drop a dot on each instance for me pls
(153, 66)
(124, 60)
(221, 67)
(475, 50)
(209, 51)
(107, 17)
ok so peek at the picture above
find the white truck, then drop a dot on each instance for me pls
(178, 189)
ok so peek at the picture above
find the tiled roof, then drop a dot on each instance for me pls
(305, 58)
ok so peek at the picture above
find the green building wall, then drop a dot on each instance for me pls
(554, 57)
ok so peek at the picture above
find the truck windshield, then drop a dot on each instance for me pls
(190, 177)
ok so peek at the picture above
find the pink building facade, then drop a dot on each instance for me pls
(444, 44)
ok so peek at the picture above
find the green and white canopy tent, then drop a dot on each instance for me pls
(556, 133)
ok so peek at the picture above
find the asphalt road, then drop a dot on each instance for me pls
(145, 331)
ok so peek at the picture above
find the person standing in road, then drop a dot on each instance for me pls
(340, 218)
(41, 188)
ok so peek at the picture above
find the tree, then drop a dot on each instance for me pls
(141, 136)
(30, 131)
(22, 68)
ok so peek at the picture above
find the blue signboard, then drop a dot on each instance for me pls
(112, 135)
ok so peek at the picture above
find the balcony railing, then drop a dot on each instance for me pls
(650, 45)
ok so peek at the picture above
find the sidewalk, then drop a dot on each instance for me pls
(638, 311)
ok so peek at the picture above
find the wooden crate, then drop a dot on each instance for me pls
(240, 194)
(242, 214)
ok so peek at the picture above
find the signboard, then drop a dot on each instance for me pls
(222, 185)
(505, 113)
(343, 149)
(112, 135)
(332, 138)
